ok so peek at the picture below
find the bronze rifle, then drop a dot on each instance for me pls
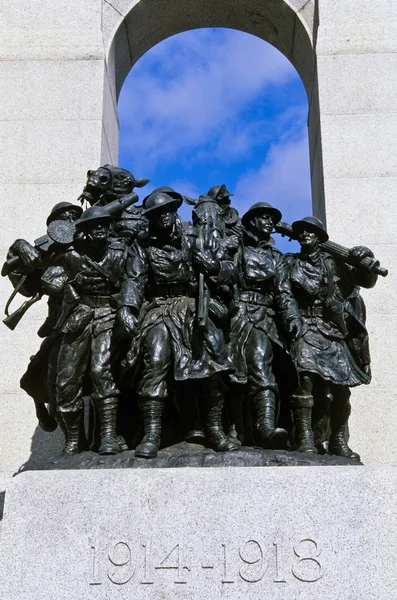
(336, 250)
(44, 244)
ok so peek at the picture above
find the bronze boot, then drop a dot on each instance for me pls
(302, 411)
(72, 422)
(338, 441)
(271, 436)
(152, 411)
(215, 436)
(107, 412)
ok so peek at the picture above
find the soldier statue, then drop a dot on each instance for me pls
(28, 267)
(177, 330)
(92, 271)
(264, 293)
(331, 355)
(158, 305)
(229, 214)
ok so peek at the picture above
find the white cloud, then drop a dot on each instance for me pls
(194, 85)
(283, 180)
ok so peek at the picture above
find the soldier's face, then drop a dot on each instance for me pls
(69, 215)
(264, 225)
(99, 231)
(308, 239)
(165, 218)
(224, 206)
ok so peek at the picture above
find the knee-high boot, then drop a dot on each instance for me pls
(152, 411)
(271, 436)
(340, 413)
(302, 411)
(72, 422)
(107, 413)
(216, 437)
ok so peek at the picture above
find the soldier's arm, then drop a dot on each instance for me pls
(53, 281)
(133, 288)
(359, 275)
(286, 305)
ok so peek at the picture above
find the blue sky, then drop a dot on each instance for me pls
(214, 106)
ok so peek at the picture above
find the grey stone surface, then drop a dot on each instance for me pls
(193, 455)
(65, 30)
(35, 79)
(28, 145)
(369, 88)
(357, 27)
(252, 533)
(360, 145)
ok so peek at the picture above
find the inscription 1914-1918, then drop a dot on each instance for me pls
(122, 561)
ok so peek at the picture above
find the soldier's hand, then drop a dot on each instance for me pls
(27, 253)
(296, 329)
(360, 252)
(205, 261)
(127, 320)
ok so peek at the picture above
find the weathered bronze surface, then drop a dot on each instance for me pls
(168, 333)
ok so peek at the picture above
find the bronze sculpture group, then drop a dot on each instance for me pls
(199, 331)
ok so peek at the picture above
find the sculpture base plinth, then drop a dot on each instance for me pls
(194, 455)
(193, 534)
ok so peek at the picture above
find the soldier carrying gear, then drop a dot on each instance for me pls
(321, 354)
(159, 292)
(94, 267)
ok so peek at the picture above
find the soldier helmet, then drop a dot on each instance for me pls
(261, 208)
(219, 193)
(157, 200)
(164, 189)
(91, 215)
(313, 225)
(61, 207)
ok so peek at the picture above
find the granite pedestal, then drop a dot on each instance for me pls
(199, 533)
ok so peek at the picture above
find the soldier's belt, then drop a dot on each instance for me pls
(96, 301)
(312, 311)
(256, 298)
(168, 290)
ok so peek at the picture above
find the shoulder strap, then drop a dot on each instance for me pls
(103, 272)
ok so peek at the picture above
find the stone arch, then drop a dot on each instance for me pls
(135, 26)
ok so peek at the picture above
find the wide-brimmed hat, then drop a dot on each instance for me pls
(61, 207)
(157, 200)
(313, 225)
(92, 214)
(261, 208)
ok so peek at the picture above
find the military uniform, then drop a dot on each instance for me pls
(333, 349)
(87, 321)
(264, 295)
(161, 287)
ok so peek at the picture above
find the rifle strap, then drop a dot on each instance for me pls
(103, 272)
(14, 293)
